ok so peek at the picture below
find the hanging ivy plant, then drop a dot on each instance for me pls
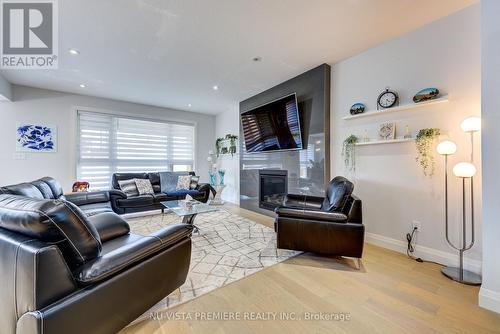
(348, 152)
(425, 152)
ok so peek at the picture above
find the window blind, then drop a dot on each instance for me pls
(109, 144)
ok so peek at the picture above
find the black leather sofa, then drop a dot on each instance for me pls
(328, 225)
(70, 265)
(164, 190)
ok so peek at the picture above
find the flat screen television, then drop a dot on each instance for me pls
(274, 126)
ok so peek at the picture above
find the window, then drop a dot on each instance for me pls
(109, 144)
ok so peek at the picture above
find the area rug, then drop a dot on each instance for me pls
(228, 248)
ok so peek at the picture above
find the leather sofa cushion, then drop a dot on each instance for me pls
(23, 189)
(311, 214)
(95, 208)
(46, 187)
(131, 251)
(129, 187)
(337, 194)
(55, 186)
(159, 197)
(91, 197)
(109, 225)
(56, 221)
(303, 201)
(136, 201)
(183, 192)
(126, 176)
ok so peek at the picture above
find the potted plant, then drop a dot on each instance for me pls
(348, 152)
(232, 143)
(425, 153)
(218, 146)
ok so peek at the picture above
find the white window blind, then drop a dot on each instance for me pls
(109, 144)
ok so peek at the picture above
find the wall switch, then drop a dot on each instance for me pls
(416, 224)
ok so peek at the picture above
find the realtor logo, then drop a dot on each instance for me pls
(29, 34)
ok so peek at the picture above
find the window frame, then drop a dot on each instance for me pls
(127, 115)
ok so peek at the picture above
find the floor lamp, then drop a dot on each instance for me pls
(464, 170)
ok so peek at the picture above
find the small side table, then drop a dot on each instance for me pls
(217, 200)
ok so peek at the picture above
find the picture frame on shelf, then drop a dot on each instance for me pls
(387, 131)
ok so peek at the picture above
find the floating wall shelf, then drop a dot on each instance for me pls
(442, 99)
(389, 141)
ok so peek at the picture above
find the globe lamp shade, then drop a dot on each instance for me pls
(471, 124)
(464, 169)
(446, 147)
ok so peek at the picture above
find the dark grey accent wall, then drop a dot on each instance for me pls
(308, 169)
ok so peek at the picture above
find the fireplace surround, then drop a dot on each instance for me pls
(308, 170)
(273, 186)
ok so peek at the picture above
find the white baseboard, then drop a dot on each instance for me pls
(489, 299)
(426, 253)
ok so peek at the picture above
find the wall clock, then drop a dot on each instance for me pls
(387, 99)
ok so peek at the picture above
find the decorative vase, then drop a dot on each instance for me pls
(212, 177)
(222, 172)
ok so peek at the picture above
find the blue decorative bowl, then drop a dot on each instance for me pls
(357, 108)
(426, 94)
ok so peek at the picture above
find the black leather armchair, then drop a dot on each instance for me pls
(329, 225)
(64, 270)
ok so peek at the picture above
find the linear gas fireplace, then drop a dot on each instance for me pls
(273, 186)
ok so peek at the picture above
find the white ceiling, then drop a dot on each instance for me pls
(170, 53)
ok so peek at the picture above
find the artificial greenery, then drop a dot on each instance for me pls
(232, 143)
(348, 152)
(425, 153)
(218, 145)
(220, 148)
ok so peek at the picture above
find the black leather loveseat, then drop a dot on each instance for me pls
(328, 225)
(68, 270)
(164, 187)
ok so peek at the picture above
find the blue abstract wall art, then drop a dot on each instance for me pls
(36, 138)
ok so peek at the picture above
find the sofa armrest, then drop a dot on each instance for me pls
(115, 195)
(306, 214)
(303, 201)
(115, 261)
(206, 189)
(355, 214)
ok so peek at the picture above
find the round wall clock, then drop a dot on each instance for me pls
(387, 99)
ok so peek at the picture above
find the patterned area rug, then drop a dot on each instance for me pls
(228, 249)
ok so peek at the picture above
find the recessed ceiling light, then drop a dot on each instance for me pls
(215, 87)
(74, 52)
(190, 105)
(83, 85)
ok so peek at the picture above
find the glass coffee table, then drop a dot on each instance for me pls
(188, 213)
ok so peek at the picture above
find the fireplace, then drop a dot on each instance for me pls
(273, 186)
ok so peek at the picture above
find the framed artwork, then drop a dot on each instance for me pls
(387, 131)
(32, 138)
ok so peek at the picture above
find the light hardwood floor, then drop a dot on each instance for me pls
(389, 294)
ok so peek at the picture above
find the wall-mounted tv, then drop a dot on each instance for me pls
(274, 126)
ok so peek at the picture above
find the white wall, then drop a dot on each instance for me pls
(36, 105)
(228, 122)
(5, 89)
(444, 54)
(489, 296)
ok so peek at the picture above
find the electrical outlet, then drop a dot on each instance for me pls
(416, 225)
